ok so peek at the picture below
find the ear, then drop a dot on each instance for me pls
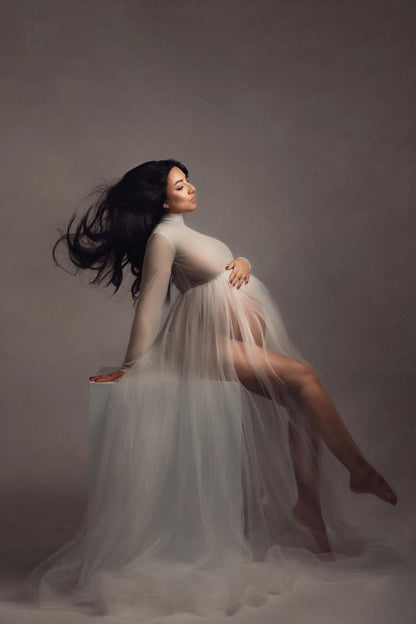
(166, 206)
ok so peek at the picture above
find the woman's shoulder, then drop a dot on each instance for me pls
(161, 231)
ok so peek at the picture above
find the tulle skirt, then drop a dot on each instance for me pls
(192, 507)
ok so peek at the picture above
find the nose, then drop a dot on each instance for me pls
(191, 188)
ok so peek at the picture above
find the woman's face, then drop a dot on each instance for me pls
(180, 194)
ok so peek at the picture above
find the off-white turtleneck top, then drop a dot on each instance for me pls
(175, 251)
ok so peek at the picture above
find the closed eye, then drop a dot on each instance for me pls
(179, 188)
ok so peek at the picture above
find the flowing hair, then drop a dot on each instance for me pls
(114, 231)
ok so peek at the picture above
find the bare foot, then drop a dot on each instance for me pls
(369, 481)
(309, 515)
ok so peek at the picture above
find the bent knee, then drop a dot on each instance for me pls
(303, 376)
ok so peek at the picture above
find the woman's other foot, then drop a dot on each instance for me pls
(309, 515)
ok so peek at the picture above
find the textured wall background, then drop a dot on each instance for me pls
(295, 119)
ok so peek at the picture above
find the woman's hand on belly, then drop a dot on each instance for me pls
(240, 273)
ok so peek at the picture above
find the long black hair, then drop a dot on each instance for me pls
(114, 231)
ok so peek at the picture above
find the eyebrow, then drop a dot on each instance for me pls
(181, 180)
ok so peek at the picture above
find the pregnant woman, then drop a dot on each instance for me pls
(208, 493)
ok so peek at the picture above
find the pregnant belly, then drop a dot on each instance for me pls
(238, 311)
(247, 323)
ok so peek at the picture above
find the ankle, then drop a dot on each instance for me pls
(360, 469)
(307, 502)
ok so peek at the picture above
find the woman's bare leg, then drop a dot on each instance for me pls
(310, 395)
(305, 451)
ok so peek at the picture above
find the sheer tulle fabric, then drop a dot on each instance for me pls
(192, 510)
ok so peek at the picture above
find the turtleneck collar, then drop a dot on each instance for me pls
(173, 217)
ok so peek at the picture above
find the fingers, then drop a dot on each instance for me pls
(107, 378)
(237, 278)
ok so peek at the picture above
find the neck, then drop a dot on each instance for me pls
(173, 217)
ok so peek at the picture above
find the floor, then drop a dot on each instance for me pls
(378, 599)
(382, 600)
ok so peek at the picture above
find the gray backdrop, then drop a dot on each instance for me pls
(295, 120)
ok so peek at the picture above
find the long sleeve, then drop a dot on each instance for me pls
(156, 272)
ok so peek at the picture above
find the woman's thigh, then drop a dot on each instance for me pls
(264, 371)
